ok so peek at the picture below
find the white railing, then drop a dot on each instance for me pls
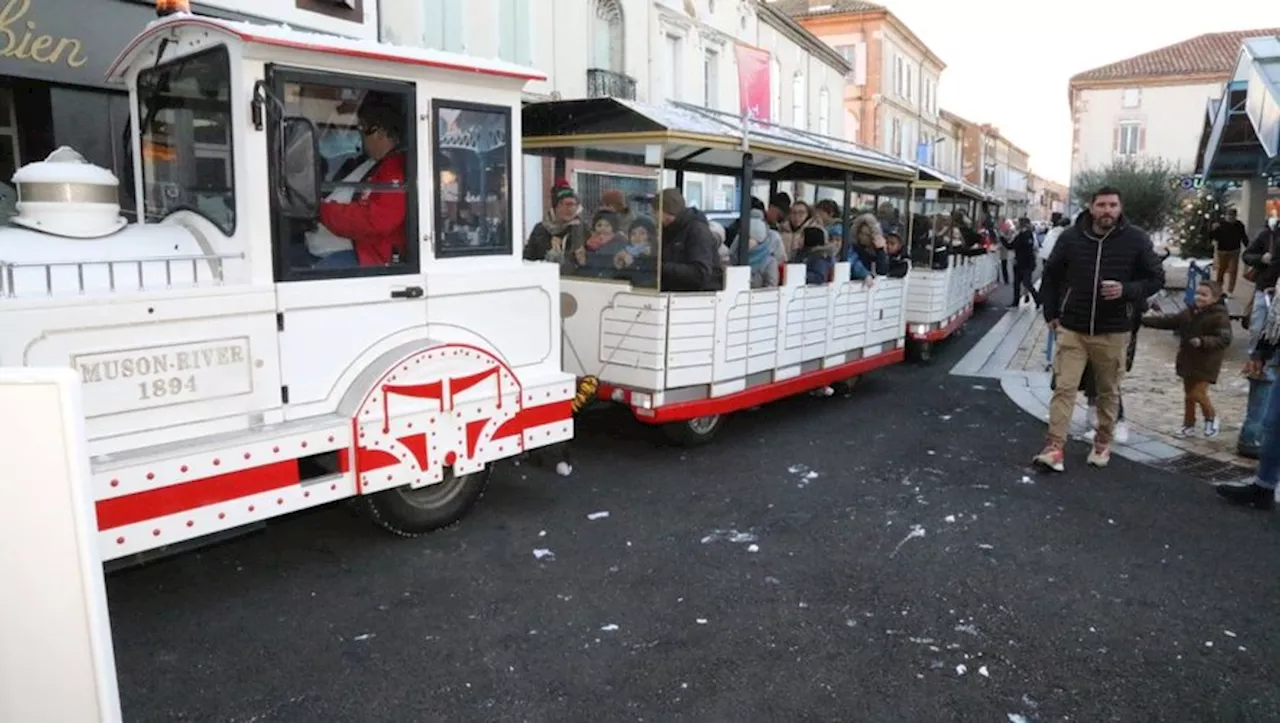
(81, 277)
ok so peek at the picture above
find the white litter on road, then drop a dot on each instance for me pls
(543, 553)
(597, 515)
(609, 628)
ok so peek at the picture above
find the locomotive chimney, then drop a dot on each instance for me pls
(169, 7)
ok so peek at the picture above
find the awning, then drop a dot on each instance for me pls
(1241, 135)
(698, 140)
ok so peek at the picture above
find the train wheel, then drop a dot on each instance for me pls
(921, 351)
(848, 385)
(694, 432)
(411, 512)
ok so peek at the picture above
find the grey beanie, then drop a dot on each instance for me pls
(759, 229)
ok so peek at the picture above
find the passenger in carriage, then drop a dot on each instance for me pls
(792, 230)
(604, 244)
(779, 209)
(560, 237)
(373, 221)
(765, 254)
(636, 261)
(868, 245)
(829, 215)
(690, 259)
(896, 253)
(971, 242)
(613, 200)
(818, 254)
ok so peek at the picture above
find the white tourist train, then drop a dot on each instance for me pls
(322, 295)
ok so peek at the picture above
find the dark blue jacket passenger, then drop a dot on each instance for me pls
(818, 256)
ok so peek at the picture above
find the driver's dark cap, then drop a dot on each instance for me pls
(376, 116)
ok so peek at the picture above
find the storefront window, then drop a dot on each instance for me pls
(185, 106)
(473, 164)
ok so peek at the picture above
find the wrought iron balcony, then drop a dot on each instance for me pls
(608, 84)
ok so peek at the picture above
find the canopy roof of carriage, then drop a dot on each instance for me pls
(700, 140)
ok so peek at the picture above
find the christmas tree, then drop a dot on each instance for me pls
(1200, 213)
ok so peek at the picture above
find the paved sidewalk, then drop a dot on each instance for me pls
(1014, 353)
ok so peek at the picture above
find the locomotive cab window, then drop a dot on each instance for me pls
(343, 176)
(185, 107)
(473, 179)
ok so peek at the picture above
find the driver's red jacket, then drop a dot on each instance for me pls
(374, 220)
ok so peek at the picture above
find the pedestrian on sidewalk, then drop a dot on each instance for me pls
(1229, 239)
(1089, 384)
(1099, 269)
(1205, 333)
(1023, 246)
(1260, 492)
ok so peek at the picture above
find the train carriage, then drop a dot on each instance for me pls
(686, 359)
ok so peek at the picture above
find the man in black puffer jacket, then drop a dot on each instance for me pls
(1099, 269)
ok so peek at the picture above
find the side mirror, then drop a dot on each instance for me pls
(298, 168)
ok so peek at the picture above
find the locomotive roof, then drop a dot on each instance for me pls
(282, 36)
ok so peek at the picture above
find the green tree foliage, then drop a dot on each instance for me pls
(1151, 189)
(1199, 213)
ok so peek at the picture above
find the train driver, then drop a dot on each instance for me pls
(374, 220)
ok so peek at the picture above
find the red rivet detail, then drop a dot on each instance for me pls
(276, 450)
(251, 508)
(306, 494)
(304, 445)
(331, 438)
(222, 515)
(333, 486)
(410, 426)
(183, 468)
(151, 475)
(119, 540)
(216, 461)
(279, 500)
(388, 477)
(247, 455)
(431, 420)
(450, 458)
(191, 523)
(115, 483)
(156, 532)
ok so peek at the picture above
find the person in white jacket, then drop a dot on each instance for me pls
(1059, 225)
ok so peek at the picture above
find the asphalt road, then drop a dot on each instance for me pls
(883, 557)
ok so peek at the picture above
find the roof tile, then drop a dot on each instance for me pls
(1208, 54)
(807, 9)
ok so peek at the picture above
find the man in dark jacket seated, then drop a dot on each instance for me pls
(690, 253)
(1099, 269)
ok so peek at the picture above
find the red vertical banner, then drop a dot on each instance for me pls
(753, 81)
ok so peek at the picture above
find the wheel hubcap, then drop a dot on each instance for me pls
(704, 425)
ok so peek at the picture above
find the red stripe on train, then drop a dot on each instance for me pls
(141, 506)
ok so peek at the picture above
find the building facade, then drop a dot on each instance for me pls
(650, 51)
(1047, 198)
(891, 93)
(1151, 105)
(53, 88)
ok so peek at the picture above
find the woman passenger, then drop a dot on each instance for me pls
(765, 254)
(792, 230)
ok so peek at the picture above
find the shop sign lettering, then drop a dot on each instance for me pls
(22, 39)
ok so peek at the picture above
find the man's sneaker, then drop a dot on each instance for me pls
(1122, 432)
(1210, 427)
(1247, 494)
(1051, 457)
(1099, 454)
(1187, 430)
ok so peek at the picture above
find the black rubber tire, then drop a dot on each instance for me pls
(921, 351)
(847, 386)
(694, 432)
(408, 512)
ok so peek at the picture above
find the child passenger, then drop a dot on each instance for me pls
(1205, 332)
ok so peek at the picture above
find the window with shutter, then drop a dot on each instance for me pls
(442, 26)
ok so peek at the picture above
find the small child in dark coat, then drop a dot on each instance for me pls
(817, 254)
(1205, 333)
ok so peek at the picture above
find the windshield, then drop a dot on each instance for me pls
(185, 107)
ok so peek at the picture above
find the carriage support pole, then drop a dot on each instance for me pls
(846, 223)
(744, 209)
(57, 662)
